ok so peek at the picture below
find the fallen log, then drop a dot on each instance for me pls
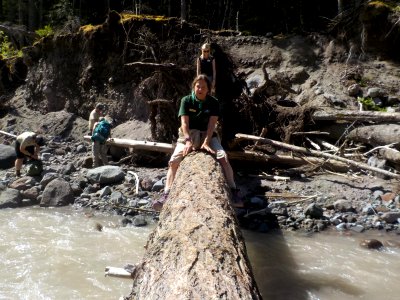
(135, 144)
(8, 134)
(376, 135)
(164, 66)
(288, 160)
(359, 165)
(354, 115)
(197, 250)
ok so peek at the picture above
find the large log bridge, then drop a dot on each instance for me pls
(197, 251)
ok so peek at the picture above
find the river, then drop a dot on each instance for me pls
(57, 253)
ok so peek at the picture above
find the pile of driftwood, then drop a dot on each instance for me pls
(371, 134)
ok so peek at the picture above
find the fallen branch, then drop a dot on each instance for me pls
(8, 134)
(310, 133)
(117, 272)
(263, 158)
(381, 147)
(269, 177)
(353, 115)
(317, 153)
(165, 66)
(135, 144)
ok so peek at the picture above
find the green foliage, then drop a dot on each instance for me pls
(6, 48)
(45, 31)
(369, 104)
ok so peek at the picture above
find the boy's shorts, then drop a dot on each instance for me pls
(197, 137)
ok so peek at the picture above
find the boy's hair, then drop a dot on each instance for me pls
(201, 77)
(40, 140)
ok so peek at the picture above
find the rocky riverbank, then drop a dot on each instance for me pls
(310, 202)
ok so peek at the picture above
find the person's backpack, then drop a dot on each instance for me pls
(101, 131)
(34, 168)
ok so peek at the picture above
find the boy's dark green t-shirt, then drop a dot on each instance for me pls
(199, 112)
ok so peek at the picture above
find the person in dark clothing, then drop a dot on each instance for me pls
(206, 66)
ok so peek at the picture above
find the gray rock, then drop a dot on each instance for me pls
(48, 177)
(10, 198)
(23, 183)
(81, 149)
(68, 169)
(104, 191)
(57, 193)
(106, 175)
(390, 217)
(139, 221)
(354, 90)
(314, 211)
(357, 228)
(45, 156)
(343, 205)
(375, 92)
(7, 157)
(159, 185)
(117, 198)
(371, 244)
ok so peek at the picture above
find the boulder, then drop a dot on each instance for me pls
(7, 157)
(106, 175)
(57, 193)
(10, 198)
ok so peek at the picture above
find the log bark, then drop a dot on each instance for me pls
(197, 250)
(288, 160)
(359, 165)
(353, 115)
(376, 135)
(135, 144)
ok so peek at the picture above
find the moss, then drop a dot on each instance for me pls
(89, 28)
(127, 17)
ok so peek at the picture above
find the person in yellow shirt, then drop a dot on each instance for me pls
(27, 145)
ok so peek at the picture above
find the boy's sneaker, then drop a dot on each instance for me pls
(18, 173)
(237, 199)
(159, 203)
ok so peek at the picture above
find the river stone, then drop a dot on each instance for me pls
(31, 193)
(10, 198)
(139, 221)
(7, 156)
(117, 198)
(57, 193)
(106, 175)
(375, 92)
(371, 244)
(23, 183)
(48, 177)
(390, 217)
(314, 211)
(343, 205)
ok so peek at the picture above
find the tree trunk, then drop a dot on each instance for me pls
(353, 115)
(376, 135)
(183, 10)
(197, 250)
(298, 149)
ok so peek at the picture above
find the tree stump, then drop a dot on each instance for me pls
(197, 250)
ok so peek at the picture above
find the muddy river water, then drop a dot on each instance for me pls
(59, 254)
